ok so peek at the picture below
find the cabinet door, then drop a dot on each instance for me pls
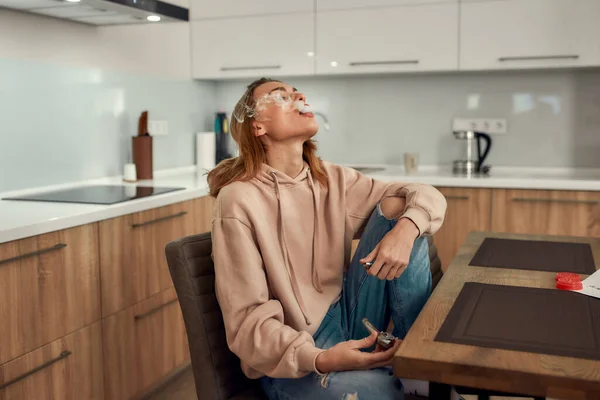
(395, 39)
(132, 253)
(518, 34)
(468, 210)
(49, 286)
(347, 4)
(142, 345)
(236, 8)
(204, 213)
(253, 46)
(69, 368)
(548, 212)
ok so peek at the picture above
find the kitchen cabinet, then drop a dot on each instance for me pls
(347, 4)
(203, 208)
(200, 9)
(132, 253)
(143, 344)
(468, 210)
(69, 368)
(520, 34)
(551, 212)
(253, 46)
(49, 287)
(392, 39)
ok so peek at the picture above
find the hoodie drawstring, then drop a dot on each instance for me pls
(316, 281)
(284, 250)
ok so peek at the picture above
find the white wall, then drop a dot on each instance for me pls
(160, 49)
(71, 95)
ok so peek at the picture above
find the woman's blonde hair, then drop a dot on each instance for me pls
(252, 151)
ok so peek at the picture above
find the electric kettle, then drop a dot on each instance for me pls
(472, 163)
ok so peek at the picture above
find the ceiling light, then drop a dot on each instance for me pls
(153, 18)
(333, 64)
(73, 1)
(310, 54)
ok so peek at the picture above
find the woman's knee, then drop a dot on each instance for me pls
(392, 207)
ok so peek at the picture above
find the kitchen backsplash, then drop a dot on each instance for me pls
(61, 123)
(553, 116)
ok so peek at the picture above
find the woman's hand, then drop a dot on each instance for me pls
(347, 356)
(390, 257)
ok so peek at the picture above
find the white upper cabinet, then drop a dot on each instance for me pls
(348, 4)
(393, 39)
(200, 9)
(518, 34)
(253, 46)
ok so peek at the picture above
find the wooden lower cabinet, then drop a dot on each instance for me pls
(468, 210)
(143, 344)
(204, 207)
(132, 253)
(549, 212)
(69, 368)
(49, 287)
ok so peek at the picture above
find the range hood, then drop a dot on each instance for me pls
(102, 12)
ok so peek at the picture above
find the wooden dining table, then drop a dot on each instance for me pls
(537, 375)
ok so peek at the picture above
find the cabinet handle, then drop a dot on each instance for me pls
(153, 221)
(367, 63)
(62, 355)
(564, 201)
(142, 316)
(250, 68)
(536, 58)
(34, 253)
(457, 197)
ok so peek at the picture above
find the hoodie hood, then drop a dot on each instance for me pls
(279, 182)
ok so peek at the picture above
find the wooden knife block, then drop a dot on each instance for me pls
(142, 156)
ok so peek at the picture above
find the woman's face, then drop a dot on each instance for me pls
(277, 118)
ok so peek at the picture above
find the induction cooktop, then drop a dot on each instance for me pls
(97, 194)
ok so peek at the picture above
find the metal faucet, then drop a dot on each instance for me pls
(326, 124)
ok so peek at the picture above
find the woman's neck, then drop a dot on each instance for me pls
(286, 158)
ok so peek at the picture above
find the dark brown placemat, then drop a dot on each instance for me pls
(546, 321)
(535, 255)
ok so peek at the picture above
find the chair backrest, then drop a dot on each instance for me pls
(217, 371)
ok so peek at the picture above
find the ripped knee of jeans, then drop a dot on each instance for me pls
(350, 396)
(392, 207)
(324, 381)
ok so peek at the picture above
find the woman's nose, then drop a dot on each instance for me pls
(300, 96)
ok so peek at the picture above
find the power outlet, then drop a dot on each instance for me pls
(158, 128)
(486, 125)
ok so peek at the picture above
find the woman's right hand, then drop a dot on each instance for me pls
(346, 356)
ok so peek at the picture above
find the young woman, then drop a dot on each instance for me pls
(292, 300)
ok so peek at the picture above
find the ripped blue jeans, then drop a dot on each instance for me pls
(362, 296)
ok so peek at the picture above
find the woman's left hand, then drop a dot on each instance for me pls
(391, 255)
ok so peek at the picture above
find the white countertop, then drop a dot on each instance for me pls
(21, 219)
(587, 179)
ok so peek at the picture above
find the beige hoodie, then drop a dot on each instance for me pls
(280, 246)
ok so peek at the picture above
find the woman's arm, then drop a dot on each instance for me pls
(419, 209)
(254, 322)
(423, 204)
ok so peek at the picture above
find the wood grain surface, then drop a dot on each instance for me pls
(420, 357)
(551, 212)
(468, 210)
(49, 289)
